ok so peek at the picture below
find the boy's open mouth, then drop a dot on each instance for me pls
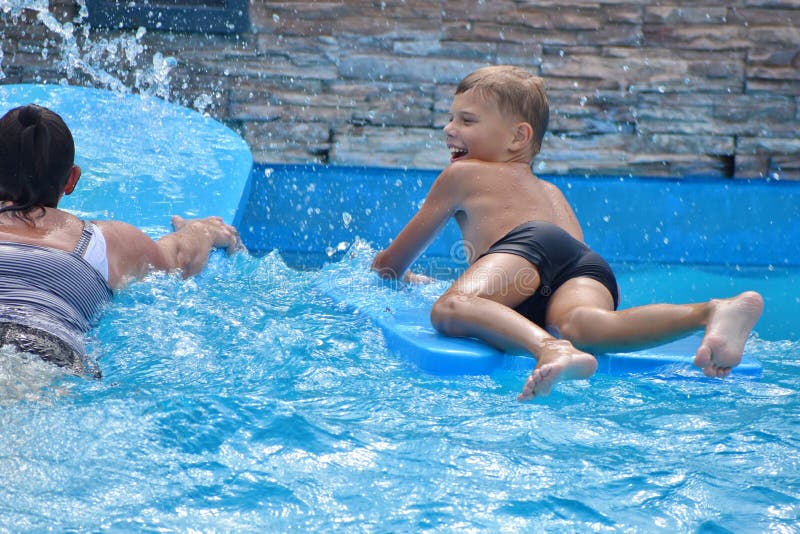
(456, 153)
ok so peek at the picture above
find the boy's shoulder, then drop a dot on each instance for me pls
(474, 168)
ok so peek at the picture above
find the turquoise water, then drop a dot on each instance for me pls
(244, 400)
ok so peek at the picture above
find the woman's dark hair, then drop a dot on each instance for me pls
(37, 153)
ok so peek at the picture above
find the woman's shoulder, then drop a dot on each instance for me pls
(119, 232)
(50, 227)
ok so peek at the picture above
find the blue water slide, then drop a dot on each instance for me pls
(143, 159)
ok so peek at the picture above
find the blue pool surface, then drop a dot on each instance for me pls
(245, 400)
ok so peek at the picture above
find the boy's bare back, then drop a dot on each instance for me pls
(491, 199)
(487, 200)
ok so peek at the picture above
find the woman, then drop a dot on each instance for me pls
(56, 270)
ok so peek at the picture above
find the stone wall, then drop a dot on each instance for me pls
(671, 88)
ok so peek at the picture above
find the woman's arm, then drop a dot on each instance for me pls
(132, 254)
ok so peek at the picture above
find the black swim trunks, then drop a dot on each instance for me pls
(559, 257)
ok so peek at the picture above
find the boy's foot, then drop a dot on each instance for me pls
(730, 324)
(558, 361)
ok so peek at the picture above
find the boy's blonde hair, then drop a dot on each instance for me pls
(517, 93)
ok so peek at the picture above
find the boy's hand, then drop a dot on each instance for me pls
(414, 278)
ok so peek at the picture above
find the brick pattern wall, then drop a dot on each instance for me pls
(671, 88)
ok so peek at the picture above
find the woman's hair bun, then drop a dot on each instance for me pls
(29, 115)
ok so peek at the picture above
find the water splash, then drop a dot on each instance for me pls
(26, 377)
(121, 63)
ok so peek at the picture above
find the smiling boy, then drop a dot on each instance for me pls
(532, 284)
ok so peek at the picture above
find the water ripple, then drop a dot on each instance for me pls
(260, 405)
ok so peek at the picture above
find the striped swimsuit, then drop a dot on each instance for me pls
(49, 298)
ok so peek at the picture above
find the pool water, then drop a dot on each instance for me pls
(245, 400)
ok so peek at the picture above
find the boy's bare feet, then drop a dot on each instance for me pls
(559, 361)
(730, 324)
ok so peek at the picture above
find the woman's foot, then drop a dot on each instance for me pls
(558, 361)
(730, 324)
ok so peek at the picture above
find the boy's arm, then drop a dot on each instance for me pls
(441, 203)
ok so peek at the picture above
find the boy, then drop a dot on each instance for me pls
(530, 273)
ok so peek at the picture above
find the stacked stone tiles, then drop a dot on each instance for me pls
(673, 88)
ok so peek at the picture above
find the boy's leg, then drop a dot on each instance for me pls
(479, 304)
(727, 323)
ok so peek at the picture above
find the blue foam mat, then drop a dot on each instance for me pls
(409, 334)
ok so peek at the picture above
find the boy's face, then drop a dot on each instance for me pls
(478, 129)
